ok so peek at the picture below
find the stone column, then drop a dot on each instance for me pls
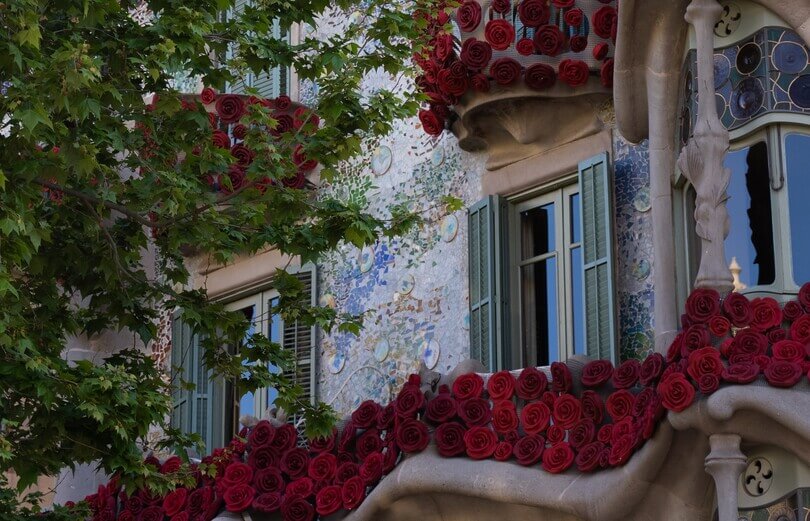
(725, 463)
(701, 160)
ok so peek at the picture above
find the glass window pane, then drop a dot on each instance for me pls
(539, 312)
(576, 219)
(578, 319)
(537, 231)
(274, 335)
(247, 400)
(797, 159)
(750, 239)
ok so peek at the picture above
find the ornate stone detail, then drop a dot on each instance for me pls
(701, 160)
(725, 463)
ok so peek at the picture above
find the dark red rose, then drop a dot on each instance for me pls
(676, 392)
(208, 95)
(467, 386)
(602, 21)
(708, 383)
(323, 466)
(578, 43)
(792, 310)
(263, 457)
(267, 503)
(529, 449)
(200, 500)
(127, 515)
(282, 102)
(345, 471)
(153, 513)
(237, 473)
(540, 76)
(651, 368)
(573, 17)
(533, 13)
(766, 314)
(600, 51)
(558, 458)
(449, 438)
(240, 131)
(531, 384)
(619, 404)
(347, 437)
(525, 46)
(574, 72)
(702, 304)
(738, 309)
(535, 417)
(605, 433)
(587, 459)
(504, 416)
(238, 498)
(410, 401)
(626, 375)
(261, 435)
(353, 492)
(480, 442)
(582, 433)
(674, 349)
(469, 16)
(804, 296)
(505, 71)
(703, 361)
(385, 418)
(596, 373)
(555, 434)
(175, 501)
(567, 411)
(474, 411)
(296, 508)
(324, 444)
(561, 381)
(391, 457)
(475, 54)
(171, 465)
(480, 82)
(452, 83)
(512, 436)
(800, 329)
(562, 4)
(748, 342)
(606, 73)
(301, 160)
(501, 6)
(285, 438)
(719, 326)
(501, 386)
(328, 500)
(371, 469)
(443, 47)
(294, 463)
(549, 40)
(365, 415)
(781, 373)
(301, 487)
(268, 480)
(621, 449)
(695, 337)
(220, 139)
(741, 373)
(777, 335)
(500, 34)
(412, 435)
(503, 451)
(230, 108)
(789, 351)
(642, 400)
(441, 409)
(592, 406)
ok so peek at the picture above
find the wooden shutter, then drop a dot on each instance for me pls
(487, 278)
(597, 250)
(300, 338)
(268, 85)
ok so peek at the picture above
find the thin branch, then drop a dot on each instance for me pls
(96, 200)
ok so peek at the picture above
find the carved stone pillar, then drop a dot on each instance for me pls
(701, 160)
(725, 463)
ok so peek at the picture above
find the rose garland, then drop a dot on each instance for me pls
(528, 419)
(547, 28)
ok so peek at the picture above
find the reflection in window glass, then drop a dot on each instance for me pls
(750, 239)
(576, 219)
(537, 229)
(797, 159)
(538, 299)
(246, 402)
(274, 335)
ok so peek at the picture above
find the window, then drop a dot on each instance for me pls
(541, 273)
(212, 409)
(768, 243)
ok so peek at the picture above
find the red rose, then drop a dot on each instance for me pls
(555, 434)
(789, 351)
(268, 480)
(294, 463)
(469, 16)
(263, 457)
(372, 468)
(501, 6)
(500, 34)
(702, 303)
(695, 337)
(531, 384)
(323, 466)
(674, 349)
(619, 404)
(345, 471)
(708, 383)
(324, 444)
(777, 335)
(525, 46)
(596, 373)
(562, 4)
(574, 72)
(540, 76)
(208, 95)
(409, 401)
(347, 437)
(301, 487)
(719, 326)
(602, 21)
(238, 498)
(175, 501)
(220, 139)
(441, 409)
(237, 473)
(558, 458)
(606, 73)
(240, 131)
(503, 451)
(535, 417)
(529, 449)
(704, 361)
(328, 500)
(480, 82)
(676, 392)
(781, 373)
(474, 411)
(740, 373)
(800, 329)
(200, 500)
(626, 375)
(792, 310)
(153, 513)
(480, 442)
(582, 433)
(738, 309)
(366, 414)
(412, 435)
(574, 17)
(449, 438)
(549, 40)
(505, 71)
(651, 368)
(452, 83)
(469, 385)
(587, 459)
(804, 296)
(282, 102)
(267, 503)
(512, 436)
(285, 438)
(443, 47)
(600, 51)
(533, 13)
(172, 464)
(504, 416)
(766, 314)
(592, 406)
(261, 435)
(296, 508)
(749, 343)
(391, 457)
(230, 108)
(353, 492)
(300, 159)
(605, 433)
(561, 381)
(578, 43)
(475, 54)
(621, 449)
(501, 385)
(567, 411)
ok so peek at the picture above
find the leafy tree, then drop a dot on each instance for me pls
(93, 181)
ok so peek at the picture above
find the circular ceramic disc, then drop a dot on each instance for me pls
(449, 228)
(406, 284)
(789, 57)
(747, 98)
(336, 362)
(800, 91)
(381, 349)
(748, 58)
(437, 157)
(430, 353)
(381, 160)
(366, 259)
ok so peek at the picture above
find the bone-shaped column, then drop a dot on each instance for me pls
(701, 160)
(725, 463)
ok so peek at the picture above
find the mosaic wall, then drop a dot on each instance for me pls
(794, 507)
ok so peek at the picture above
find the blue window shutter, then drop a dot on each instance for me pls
(487, 279)
(597, 249)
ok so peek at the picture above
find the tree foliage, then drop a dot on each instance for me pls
(82, 204)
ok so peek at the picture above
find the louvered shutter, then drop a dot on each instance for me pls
(300, 338)
(181, 371)
(267, 85)
(487, 280)
(597, 250)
